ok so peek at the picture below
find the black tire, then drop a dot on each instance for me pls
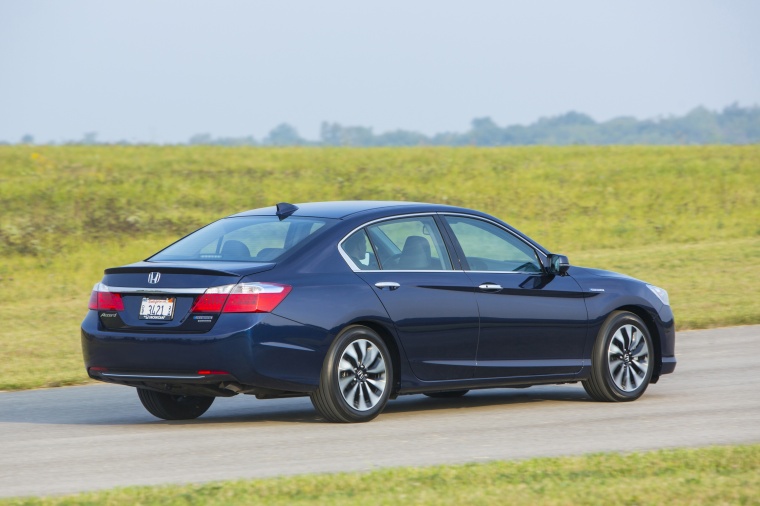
(448, 394)
(356, 378)
(622, 360)
(174, 407)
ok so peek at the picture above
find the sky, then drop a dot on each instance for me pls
(163, 71)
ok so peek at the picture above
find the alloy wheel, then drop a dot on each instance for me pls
(362, 375)
(628, 358)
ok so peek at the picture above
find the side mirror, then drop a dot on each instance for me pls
(558, 264)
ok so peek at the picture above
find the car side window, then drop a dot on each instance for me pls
(409, 244)
(490, 248)
(359, 251)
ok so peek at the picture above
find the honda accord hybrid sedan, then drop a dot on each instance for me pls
(355, 303)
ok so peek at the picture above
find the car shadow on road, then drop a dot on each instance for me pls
(488, 398)
(269, 411)
(403, 404)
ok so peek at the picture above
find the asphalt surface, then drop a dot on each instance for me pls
(74, 439)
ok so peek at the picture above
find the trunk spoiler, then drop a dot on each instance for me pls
(236, 269)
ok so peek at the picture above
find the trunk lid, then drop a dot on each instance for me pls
(159, 296)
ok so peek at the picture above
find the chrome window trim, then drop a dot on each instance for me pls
(353, 267)
(407, 270)
(350, 262)
(504, 272)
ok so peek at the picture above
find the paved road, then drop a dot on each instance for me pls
(83, 438)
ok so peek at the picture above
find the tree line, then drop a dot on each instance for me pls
(733, 125)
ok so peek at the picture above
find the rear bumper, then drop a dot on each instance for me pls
(218, 385)
(258, 352)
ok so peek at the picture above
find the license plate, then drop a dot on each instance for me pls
(157, 308)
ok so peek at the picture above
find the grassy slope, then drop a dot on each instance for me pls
(686, 218)
(718, 475)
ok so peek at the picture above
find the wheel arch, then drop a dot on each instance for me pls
(390, 341)
(654, 333)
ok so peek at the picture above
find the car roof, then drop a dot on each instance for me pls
(345, 208)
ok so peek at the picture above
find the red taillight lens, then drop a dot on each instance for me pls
(103, 300)
(108, 301)
(255, 297)
(212, 300)
(241, 298)
(209, 303)
(93, 304)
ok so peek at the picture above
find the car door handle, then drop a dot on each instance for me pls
(490, 287)
(390, 285)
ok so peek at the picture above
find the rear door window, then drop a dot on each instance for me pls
(359, 251)
(413, 243)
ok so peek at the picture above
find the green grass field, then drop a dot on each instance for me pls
(717, 475)
(685, 218)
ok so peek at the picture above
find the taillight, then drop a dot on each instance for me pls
(255, 297)
(212, 300)
(241, 298)
(103, 300)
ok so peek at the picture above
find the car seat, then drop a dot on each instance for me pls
(416, 254)
(235, 250)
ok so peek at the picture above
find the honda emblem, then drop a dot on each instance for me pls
(153, 277)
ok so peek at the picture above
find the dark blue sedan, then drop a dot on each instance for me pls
(355, 303)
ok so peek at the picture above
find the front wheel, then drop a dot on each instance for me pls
(356, 377)
(622, 359)
(174, 407)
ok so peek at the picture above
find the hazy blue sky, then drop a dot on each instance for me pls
(161, 71)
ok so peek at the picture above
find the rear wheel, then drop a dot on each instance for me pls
(622, 360)
(355, 382)
(448, 394)
(174, 407)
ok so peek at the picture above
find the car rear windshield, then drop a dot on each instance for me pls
(244, 239)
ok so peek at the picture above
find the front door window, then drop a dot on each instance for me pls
(487, 247)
